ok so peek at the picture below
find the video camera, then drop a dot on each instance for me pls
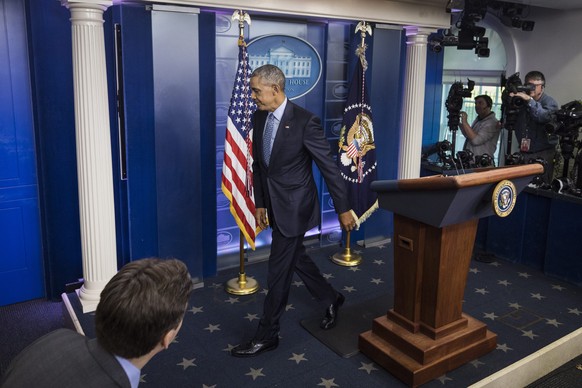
(510, 106)
(454, 104)
(566, 120)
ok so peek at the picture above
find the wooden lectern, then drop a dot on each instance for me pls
(427, 334)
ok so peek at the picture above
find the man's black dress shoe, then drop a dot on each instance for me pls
(254, 347)
(330, 318)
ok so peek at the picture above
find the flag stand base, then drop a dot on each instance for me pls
(241, 285)
(347, 258)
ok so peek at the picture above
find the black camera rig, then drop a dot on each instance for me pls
(511, 105)
(454, 104)
(566, 123)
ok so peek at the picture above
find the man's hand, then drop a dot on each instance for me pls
(524, 96)
(261, 217)
(347, 221)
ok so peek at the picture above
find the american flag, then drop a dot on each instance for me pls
(237, 174)
(353, 149)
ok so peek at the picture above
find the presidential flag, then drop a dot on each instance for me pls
(357, 150)
(237, 174)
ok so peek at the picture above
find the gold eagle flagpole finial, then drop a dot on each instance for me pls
(364, 29)
(242, 17)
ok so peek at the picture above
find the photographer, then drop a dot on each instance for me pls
(483, 134)
(530, 132)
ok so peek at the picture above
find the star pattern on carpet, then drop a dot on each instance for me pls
(491, 316)
(368, 367)
(252, 317)
(444, 378)
(481, 291)
(298, 358)
(501, 298)
(503, 347)
(328, 383)
(228, 348)
(187, 363)
(255, 373)
(477, 363)
(529, 334)
(195, 310)
(212, 328)
(553, 322)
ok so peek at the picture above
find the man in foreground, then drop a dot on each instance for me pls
(139, 314)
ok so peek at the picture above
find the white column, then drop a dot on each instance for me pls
(94, 166)
(413, 107)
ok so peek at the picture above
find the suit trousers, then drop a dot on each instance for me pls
(287, 256)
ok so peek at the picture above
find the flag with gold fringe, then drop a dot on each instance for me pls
(237, 174)
(357, 150)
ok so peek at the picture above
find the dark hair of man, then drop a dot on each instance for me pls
(535, 76)
(487, 99)
(144, 301)
(272, 74)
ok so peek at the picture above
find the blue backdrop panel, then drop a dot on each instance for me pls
(52, 82)
(179, 177)
(505, 235)
(535, 230)
(563, 258)
(386, 96)
(139, 129)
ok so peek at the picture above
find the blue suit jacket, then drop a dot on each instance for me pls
(65, 359)
(286, 187)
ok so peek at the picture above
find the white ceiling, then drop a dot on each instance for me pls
(553, 4)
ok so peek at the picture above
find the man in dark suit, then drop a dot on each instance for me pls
(286, 140)
(139, 314)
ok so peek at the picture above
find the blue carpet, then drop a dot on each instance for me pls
(526, 309)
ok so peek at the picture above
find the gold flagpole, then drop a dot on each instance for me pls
(241, 285)
(347, 258)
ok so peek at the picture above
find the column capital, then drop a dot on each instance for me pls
(416, 30)
(103, 4)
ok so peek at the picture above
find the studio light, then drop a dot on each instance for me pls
(455, 6)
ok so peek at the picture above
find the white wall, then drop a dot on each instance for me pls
(554, 47)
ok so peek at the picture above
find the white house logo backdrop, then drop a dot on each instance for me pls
(298, 60)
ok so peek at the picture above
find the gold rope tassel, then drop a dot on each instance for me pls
(242, 285)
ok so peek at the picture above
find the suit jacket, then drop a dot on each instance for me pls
(286, 187)
(65, 359)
